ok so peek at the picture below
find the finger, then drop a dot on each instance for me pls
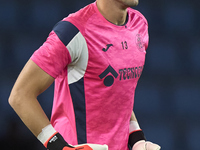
(152, 146)
(98, 147)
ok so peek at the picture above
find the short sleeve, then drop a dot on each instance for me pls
(53, 56)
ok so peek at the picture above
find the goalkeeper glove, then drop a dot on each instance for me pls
(137, 140)
(145, 145)
(58, 143)
(52, 140)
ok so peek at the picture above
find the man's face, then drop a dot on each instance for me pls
(128, 3)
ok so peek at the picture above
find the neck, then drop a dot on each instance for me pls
(113, 11)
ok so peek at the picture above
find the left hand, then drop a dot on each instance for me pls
(145, 145)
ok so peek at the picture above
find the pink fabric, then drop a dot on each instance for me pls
(52, 56)
(108, 108)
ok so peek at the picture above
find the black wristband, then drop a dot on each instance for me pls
(57, 143)
(135, 137)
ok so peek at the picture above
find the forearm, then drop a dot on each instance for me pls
(23, 98)
(30, 112)
(134, 125)
(133, 117)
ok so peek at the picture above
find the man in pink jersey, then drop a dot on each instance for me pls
(95, 56)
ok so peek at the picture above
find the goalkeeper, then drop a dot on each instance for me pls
(95, 56)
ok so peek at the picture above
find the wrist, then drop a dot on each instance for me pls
(56, 142)
(136, 136)
(134, 126)
(135, 133)
(51, 139)
(46, 133)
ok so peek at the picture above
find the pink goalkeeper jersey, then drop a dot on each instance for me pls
(96, 66)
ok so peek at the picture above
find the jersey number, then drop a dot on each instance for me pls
(124, 45)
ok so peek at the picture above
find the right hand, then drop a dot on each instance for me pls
(87, 147)
(57, 142)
